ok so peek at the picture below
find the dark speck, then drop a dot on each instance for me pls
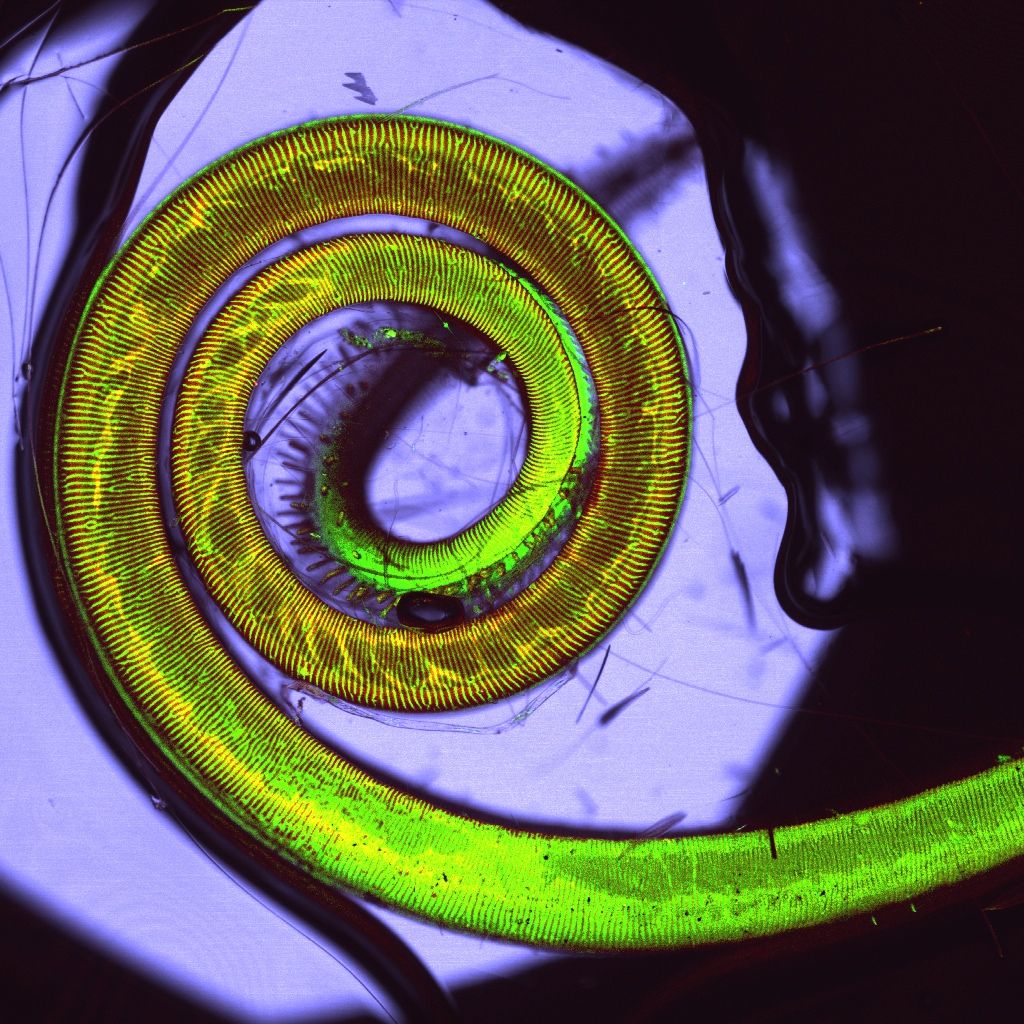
(616, 709)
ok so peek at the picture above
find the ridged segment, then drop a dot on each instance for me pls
(294, 795)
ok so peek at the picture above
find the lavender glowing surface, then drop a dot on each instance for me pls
(552, 770)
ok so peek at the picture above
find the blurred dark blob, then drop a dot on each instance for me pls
(893, 129)
(49, 975)
(866, 171)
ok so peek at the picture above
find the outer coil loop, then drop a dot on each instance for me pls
(545, 225)
(290, 793)
(484, 659)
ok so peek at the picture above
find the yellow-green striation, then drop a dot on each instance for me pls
(487, 658)
(542, 223)
(296, 796)
(562, 438)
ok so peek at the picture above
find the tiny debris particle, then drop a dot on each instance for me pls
(597, 679)
(358, 85)
(616, 709)
(744, 582)
(661, 827)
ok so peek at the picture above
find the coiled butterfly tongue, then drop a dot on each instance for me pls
(604, 474)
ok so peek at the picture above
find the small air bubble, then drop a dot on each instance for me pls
(432, 612)
(251, 441)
